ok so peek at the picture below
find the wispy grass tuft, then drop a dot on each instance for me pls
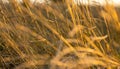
(59, 34)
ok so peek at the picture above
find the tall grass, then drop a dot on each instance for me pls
(59, 35)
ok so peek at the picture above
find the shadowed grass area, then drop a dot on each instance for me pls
(59, 35)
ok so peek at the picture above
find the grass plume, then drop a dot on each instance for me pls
(59, 35)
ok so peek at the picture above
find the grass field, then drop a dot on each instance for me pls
(59, 35)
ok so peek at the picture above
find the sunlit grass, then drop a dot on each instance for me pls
(59, 35)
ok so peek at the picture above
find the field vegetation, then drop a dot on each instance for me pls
(59, 35)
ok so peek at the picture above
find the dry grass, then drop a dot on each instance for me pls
(58, 36)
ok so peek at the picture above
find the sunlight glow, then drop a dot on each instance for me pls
(100, 2)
